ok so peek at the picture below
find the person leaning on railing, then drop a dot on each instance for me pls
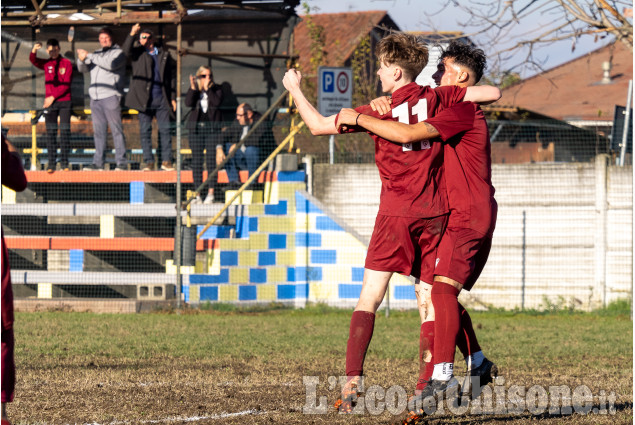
(204, 97)
(107, 67)
(255, 149)
(58, 72)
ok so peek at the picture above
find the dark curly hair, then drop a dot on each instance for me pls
(468, 56)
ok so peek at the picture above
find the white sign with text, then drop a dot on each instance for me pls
(335, 90)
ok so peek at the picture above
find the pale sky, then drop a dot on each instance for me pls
(410, 15)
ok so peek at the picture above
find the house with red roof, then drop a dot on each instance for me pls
(582, 92)
(343, 32)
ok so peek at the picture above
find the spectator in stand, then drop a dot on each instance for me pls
(58, 72)
(152, 92)
(14, 178)
(107, 67)
(255, 149)
(204, 97)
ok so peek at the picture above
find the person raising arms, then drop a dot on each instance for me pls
(413, 207)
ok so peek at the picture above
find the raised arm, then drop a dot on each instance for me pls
(316, 122)
(37, 62)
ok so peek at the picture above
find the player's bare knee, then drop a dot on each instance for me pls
(448, 281)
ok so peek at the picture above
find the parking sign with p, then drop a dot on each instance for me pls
(335, 90)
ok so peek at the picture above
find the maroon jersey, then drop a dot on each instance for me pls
(468, 172)
(57, 76)
(14, 178)
(412, 183)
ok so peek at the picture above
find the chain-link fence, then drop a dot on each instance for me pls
(105, 240)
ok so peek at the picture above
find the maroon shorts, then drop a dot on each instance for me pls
(462, 254)
(405, 245)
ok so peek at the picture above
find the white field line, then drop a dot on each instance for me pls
(186, 419)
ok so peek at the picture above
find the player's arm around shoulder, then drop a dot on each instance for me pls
(317, 123)
(483, 95)
(367, 118)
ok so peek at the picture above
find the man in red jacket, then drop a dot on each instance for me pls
(58, 72)
(14, 178)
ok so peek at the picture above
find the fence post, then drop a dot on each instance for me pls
(331, 149)
(601, 208)
(308, 162)
(524, 262)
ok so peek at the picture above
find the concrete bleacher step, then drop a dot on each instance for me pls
(75, 209)
(74, 245)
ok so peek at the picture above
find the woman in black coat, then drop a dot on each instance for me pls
(204, 97)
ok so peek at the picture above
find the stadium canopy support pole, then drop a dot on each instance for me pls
(33, 141)
(178, 254)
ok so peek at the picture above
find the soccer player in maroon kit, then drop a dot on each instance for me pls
(14, 178)
(413, 207)
(58, 73)
(466, 243)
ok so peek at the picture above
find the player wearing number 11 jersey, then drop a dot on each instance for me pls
(413, 205)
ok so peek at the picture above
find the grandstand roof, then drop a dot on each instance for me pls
(574, 90)
(58, 12)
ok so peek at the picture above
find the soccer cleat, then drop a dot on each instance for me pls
(50, 170)
(209, 199)
(481, 376)
(426, 401)
(421, 382)
(64, 166)
(167, 166)
(348, 399)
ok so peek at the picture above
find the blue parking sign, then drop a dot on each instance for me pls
(335, 89)
(328, 82)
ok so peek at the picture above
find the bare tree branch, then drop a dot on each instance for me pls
(501, 24)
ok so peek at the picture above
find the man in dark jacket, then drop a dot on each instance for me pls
(152, 92)
(255, 149)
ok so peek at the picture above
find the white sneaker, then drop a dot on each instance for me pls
(209, 199)
(197, 200)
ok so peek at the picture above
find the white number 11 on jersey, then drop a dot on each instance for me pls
(403, 114)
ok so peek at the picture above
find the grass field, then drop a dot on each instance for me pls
(241, 367)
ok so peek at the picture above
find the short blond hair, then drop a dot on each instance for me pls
(405, 51)
(199, 71)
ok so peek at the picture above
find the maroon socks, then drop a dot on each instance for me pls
(426, 344)
(446, 328)
(360, 333)
(466, 339)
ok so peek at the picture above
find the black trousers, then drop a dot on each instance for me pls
(51, 114)
(205, 135)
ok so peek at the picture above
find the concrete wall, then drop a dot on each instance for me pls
(563, 235)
